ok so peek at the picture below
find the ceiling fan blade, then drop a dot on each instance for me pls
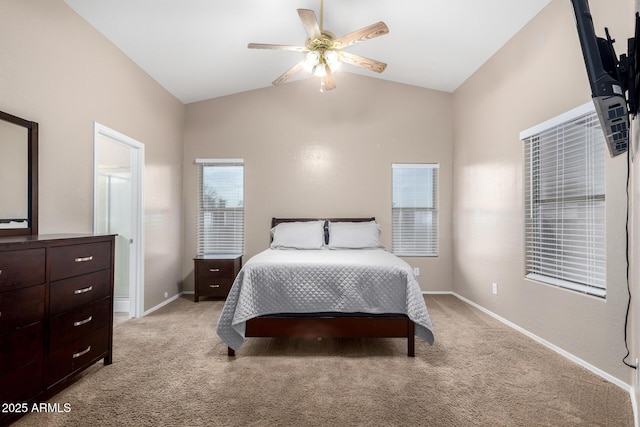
(361, 61)
(328, 81)
(310, 23)
(276, 47)
(366, 33)
(289, 73)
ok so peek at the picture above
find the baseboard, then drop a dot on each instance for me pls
(551, 346)
(162, 304)
(635, 399)
(121, 305)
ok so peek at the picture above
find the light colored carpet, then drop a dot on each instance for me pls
(170, 369)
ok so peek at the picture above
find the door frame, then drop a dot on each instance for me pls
(136, 267)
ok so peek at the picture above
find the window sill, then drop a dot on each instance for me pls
(583, 289)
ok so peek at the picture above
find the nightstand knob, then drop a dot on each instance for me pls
(214, 286)
(214, 270)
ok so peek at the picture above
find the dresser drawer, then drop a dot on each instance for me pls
(22, 384)
(21, 268)
(20, 347)
(21, 308)
(214, 268)
(74, 260)
(70, 326)
(78, 291)
(76, 355)
(214, 287)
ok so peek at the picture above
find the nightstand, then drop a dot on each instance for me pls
(214, 274)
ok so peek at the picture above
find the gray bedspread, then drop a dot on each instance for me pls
(312, 281)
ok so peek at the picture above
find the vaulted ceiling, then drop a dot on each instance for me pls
(197, 49)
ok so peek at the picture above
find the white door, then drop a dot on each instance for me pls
(118, 206)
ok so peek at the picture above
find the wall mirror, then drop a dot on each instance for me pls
(18, 176)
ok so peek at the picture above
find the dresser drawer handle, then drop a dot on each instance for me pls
(82, 353)
(214, 286)
(82, 322)
(214, 270)
(83, 290)
(84, 259)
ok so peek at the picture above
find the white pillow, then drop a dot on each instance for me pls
(298, 235)
(354, 235)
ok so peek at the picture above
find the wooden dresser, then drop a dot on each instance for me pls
(56, 311)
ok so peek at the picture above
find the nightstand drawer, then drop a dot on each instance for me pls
(215, 268)
(214, 287)
(78, 291)
(23, 268)
(74, 260)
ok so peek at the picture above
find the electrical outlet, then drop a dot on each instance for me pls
(166, 294)
(416, 271)
(494, 289)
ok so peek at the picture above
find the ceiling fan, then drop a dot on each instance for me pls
(324, 52)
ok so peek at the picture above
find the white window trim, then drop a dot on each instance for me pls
(219, 161)
(589, 290)
(436, 248)
(584, 109)
(212, 162)
(558, 120)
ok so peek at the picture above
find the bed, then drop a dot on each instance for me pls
(326, 278)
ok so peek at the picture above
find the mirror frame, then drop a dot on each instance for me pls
(32, 183)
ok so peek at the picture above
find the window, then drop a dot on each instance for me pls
(415, 209)
(220, 206)
(565, 202)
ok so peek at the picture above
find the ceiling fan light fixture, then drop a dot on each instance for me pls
(319, 70)
(311, 60)
(332, 59)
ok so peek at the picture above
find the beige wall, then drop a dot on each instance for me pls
(634, 321)
(57, 70)
(312, 154)
(539, 74)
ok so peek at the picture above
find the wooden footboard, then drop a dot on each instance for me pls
(333, 327)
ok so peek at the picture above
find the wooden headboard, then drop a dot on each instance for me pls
(276, 221)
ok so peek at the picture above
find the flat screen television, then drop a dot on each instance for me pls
(613, 81)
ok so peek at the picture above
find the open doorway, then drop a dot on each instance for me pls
(118, 209)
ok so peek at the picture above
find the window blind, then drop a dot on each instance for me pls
(220, 206)
(565, 205)
(415, 209)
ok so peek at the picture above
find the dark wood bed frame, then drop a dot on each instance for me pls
(330, 325)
